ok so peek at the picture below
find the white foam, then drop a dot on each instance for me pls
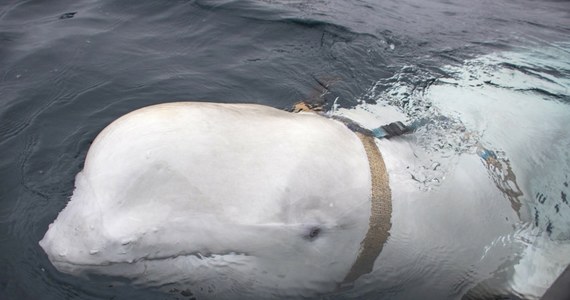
(514, 102)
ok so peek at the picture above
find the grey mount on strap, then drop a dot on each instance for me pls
(391, 130)
(383, 132)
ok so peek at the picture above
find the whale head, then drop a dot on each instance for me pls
(192, 195)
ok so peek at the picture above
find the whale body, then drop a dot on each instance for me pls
(242, 200)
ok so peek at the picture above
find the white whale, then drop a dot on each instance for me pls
(238, 201)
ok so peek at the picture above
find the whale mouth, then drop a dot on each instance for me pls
(136, 269)
(199, 255)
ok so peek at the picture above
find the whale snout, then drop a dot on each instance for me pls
(64, 249)
(55, 251)
(62, 254)
(74, 242)
(71, 255)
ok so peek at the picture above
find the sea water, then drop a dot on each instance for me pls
(498, 69)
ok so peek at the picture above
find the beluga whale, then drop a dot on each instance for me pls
(244, 201)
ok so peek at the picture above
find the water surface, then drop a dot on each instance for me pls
(69, 69)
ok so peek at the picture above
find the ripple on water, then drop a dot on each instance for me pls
(64, 79)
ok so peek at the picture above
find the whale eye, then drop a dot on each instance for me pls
(313, 233)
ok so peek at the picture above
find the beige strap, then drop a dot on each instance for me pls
(380, 202)
(380, 215)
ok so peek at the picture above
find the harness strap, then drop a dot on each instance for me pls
(380, 214)
(380, 199)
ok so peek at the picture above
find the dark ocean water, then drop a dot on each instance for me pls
(69, 68)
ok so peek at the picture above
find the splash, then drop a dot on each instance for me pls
(512, 109)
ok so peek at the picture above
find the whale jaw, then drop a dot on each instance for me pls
(286, 272)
